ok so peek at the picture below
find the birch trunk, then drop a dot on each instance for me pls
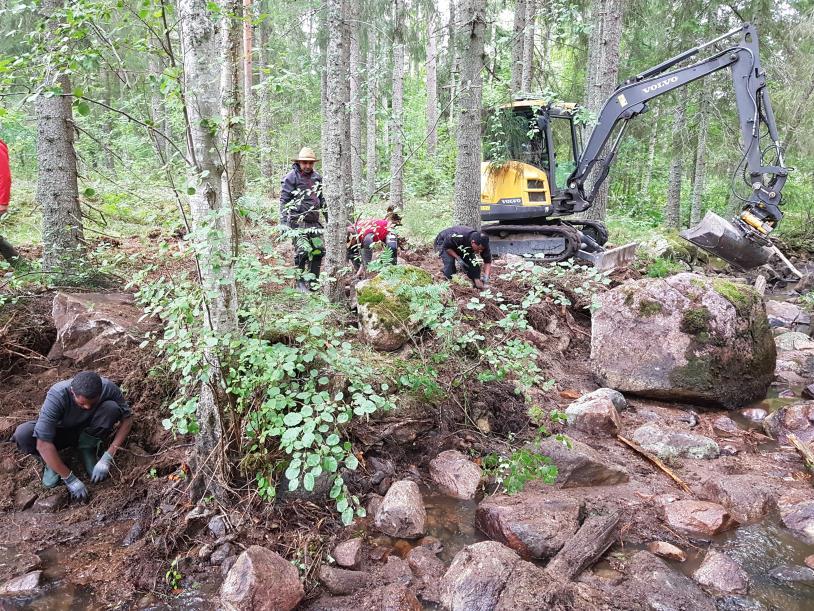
(264, 138)
(372, 85)
(518, 40)
(347, 177)
(212, 218)
(355, 81)
(57, 188)
(432, 85)
(397, 111)
(234, 134)
(672, 214)
(335, 232)
(700, 162)
(466, 209)
(249, 110)
(158, 114)
(528, 46)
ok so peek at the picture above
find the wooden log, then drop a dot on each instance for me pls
(655, 460)
(592, 540)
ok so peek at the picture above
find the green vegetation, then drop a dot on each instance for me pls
(661, 268)
(648, 307)
(513, 472)
(695, 321)
(742, 296)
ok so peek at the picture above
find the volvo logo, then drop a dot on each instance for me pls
(660, 84)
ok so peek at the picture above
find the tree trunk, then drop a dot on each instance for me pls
(158, 113)
(651, 155)
(249, 110)
(397, 111)
(454, 58)
(372, 80)
(518, 40)
(466, 210)
(212, 217)
(432, 85)
(700, 162)
(264, 119)
(231, 104)
(672, 216)
(355, 81)
(528, 46)
(603, 72)
(347, 176)
(57, 188)
(335, 232)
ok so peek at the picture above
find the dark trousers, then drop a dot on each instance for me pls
(105, 417)
(309, 250)
(363, 252)
(450, 264)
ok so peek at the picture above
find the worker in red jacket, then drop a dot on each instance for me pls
(6, 250)
(364, 233)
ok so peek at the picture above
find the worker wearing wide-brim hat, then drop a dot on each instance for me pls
(301, 202)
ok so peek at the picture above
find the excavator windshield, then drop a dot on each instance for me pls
(513, 134)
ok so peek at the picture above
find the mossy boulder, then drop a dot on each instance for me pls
(673, 247)
(706, 341)
(385, 305)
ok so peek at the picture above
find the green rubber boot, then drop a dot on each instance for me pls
(88, 447)
(50, 478)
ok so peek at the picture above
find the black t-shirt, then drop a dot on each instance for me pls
(459, 239)
(60, 411)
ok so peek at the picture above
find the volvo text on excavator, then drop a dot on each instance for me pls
(550, 176)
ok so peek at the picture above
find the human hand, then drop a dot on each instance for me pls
(77, 489)
(102, 468)
(478, 283)
(485, 279)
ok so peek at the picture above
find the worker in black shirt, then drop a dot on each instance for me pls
(461, 244)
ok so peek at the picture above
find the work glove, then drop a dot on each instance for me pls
(485, 279)
(102, 468)
(78, 490)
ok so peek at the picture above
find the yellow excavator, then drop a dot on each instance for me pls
(527, 200)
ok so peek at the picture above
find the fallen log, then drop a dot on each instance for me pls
(804, 450)
(592, 540)
(656, 461)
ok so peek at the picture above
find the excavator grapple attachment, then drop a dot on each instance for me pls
(728, 241)
(606, 260)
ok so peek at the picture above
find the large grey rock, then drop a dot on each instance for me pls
(786, 314)
(24, 583)
(797, 513)
(668, 443)
(477, 576)
(663, 589)
(615, 397)
(713, 341)
(90, 325)
(455, 474)
(748, 498)
(699, 519)
(722, 573)
(797, 418)
(597, 416)
(402, 512)
(534, 524)
(793, 340)
(794, 574)
(261, 580)
(580, 465)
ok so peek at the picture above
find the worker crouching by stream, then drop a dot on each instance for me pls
(461, 246)
(78, 413)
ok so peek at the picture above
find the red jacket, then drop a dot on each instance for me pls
(5, 178)
(378, 227)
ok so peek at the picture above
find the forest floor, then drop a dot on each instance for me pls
(138, 542)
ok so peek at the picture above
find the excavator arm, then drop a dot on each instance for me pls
(760, 214)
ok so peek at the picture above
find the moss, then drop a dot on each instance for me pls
(649, 308)
(697, 374)
(698, 282)
(628, 297)
(695, 321)
(379, 295)
(370, 295)
(742, 296)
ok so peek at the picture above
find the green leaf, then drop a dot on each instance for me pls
(292, 419)
(347, 516)
(89, 192)
(351, 462)
(308, 482)
(329, 464)
(83, 108)
(333, 439)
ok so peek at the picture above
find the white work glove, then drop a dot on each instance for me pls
(78, 490)
(102, 468)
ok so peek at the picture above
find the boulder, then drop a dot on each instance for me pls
(217, 526)
(700, 519)
(666, 550)
(786, 314)
(53, 502)
(343, 581)
(401, 513)
(797, 418)
(384, 306)
(714, 342)
(396, 570)
(617, 398)
(477, 576)
(722, 573)
(662, 589)
(24, 498)
(221, 553)
(24, 583)
(347, 553)
(580, 465)
(668, 443)
(90, 325)
(797, 513)
(794, 574)
(725, 427)
(261, 580)
(423, 561)
(455, 474)
(792, 340)
(597, 416)
(748, 498)
(534, 524)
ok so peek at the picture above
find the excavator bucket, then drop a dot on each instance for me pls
(727, 241)
(606, 260)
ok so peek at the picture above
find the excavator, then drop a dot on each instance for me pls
(551, 176)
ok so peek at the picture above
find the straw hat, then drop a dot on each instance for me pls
(305, 154)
